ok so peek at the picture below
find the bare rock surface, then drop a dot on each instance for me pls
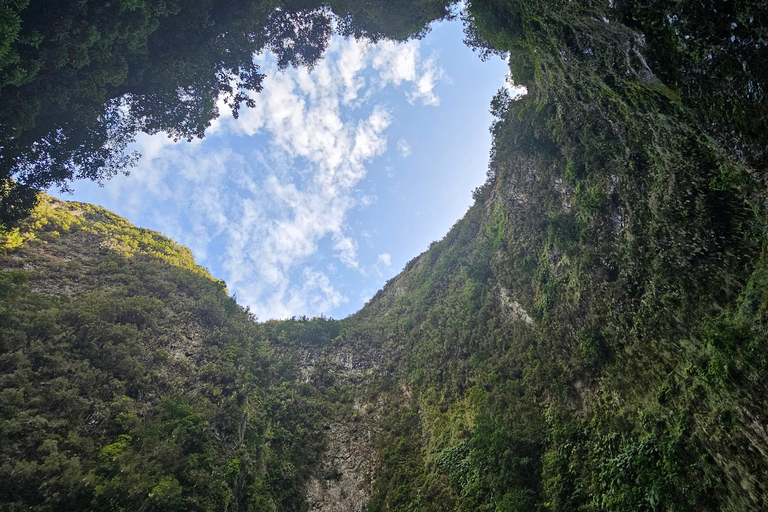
(343, 479)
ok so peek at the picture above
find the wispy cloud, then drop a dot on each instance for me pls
(262, 207)
(397, 63)
(385, 259)
(404, 148)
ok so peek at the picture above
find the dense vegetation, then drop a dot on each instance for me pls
(129, 380)
(591, 336)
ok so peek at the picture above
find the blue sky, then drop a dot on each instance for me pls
(310, 202)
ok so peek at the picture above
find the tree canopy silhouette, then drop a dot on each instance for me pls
(79, 80)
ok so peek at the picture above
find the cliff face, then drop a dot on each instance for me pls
(507, 365)
(342, 479)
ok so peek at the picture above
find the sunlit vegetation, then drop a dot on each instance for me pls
(130, 380)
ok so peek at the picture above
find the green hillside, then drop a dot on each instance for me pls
(591, 336)
(131, 381)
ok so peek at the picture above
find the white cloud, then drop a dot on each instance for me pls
(385, 259)
(402, 62)
(396, 62)
(515, 91)
(267, 215)
(425, 85)
(403, 148)
(346, 250)
(352, 61)
(367, 200)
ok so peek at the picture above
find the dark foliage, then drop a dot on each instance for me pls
(79, 80)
